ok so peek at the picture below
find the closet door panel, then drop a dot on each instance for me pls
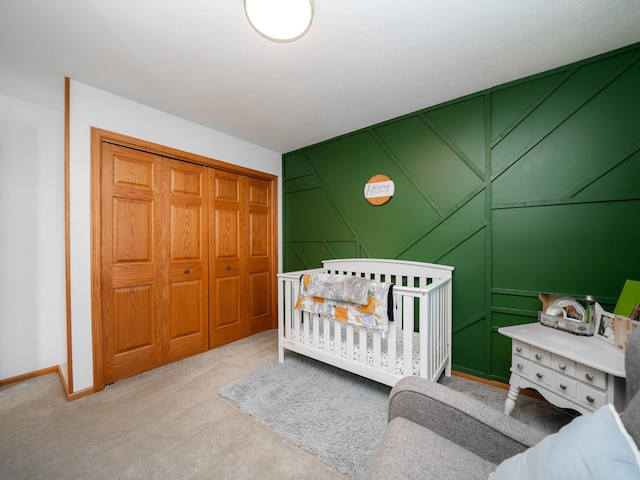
(130, 262)
(225, 219)
(185, 263)
(258, 238)
(227, 305)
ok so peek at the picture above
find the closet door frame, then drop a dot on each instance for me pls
(100, 136)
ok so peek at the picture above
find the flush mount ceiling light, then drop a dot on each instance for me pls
(280, 20)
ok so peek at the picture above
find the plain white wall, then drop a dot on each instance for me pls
(32, 270)
(91, 107)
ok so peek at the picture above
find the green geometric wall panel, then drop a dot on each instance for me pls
(527, 187)
(575, 248)
(472, 354)
(562, 155)
(297, 166)
(310, 254)
(343, 249)
(501, 355)
(343, 177)
(435, 243)
(469, 287)
(308, 207)
(620, 181)
(462, 124)
(509, 105)
(438, 170)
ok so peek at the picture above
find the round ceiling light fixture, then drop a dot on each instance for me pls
(280, 20)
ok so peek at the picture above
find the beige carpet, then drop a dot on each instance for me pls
(170, 423)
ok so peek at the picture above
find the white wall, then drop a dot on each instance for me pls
(32, 273)
(97, 108)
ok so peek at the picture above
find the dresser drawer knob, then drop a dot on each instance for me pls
(562, 366)
(538, 356)
(539, 375)
(590, 399)
(563, 386)
(588, 376)
(518, 349)
(519, 365)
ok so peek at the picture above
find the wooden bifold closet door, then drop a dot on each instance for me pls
(154, 261)
(186, 260)
(240, 263)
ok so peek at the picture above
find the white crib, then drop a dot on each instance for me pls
(418, 342)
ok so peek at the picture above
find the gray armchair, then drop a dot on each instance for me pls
(435, 432)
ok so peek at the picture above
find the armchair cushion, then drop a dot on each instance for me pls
(410, 451)
(594, 446)
(486, 432)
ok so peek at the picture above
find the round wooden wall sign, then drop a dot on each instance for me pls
(379, 189)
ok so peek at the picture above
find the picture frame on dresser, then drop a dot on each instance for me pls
(605, 327)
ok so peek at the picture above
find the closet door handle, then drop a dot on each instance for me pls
(186, 270)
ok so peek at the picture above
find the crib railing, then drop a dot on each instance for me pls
(418, 341)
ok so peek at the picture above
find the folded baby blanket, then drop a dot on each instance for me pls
(374, 312)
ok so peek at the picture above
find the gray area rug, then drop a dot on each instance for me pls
(335, 415)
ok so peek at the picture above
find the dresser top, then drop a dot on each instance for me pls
(589, 351)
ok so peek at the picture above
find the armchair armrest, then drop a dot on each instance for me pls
(461, 419)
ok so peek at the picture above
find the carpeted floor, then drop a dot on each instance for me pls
(170, 423)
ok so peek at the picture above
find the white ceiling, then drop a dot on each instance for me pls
(362, 61)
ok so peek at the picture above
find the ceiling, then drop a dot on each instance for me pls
(362, 61)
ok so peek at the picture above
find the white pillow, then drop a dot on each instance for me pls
(592, 446)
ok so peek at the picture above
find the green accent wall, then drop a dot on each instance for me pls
(527, 187)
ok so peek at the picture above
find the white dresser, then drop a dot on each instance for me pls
(570, 371)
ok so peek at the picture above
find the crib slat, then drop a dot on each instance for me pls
(440, 346)
(377, 352)
(407, 336)
(315, 331)
(349, 329)
(298, 318)
(362, 336)
(288, 293)
(426, 319)
(391, 341)
(337, 338)
(326, 334)
(306, 323)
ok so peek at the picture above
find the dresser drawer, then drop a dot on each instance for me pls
(521, 365)
(591, 376)
(542, 374)
(591, 397)
(521, 349)
(564, 365)
(565, 385)
(540, 356)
